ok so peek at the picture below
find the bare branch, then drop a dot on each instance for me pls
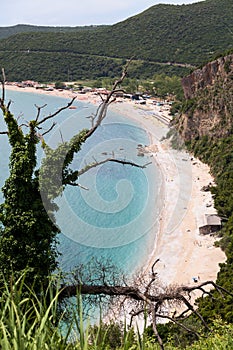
(155, 300)
(39, 108)
(102, 110)
(153, 276)
(182, 315)
(206, 283)
(68, 291)
(140, 295)
(75, 184)
(51, 128)
(57, 112)
(23, 124)
(19, 116)
(124, 162)
(130, 291)
(3, 81)
(136, 313)
(152, 267)
(124, 73)
(100, 95)
(92, 118)
(73, 176)
(113, 100)
(8, 105)
(172, 319)
(205, 292)
(154, 325)
(192, 309)
(62, 140)
(119, 90)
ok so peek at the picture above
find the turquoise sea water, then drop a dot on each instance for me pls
(116, 217)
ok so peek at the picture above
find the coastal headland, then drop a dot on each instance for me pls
(185, 256)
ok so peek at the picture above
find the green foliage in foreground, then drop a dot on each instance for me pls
(27, 235)
(27, 321)
(221, 338)
(32, 322)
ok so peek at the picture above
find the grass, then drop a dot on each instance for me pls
(29, 322)
(32, 322)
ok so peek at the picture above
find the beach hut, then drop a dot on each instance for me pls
(212, 224)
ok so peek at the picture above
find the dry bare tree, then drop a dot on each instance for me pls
(142, 295)
(28, 235)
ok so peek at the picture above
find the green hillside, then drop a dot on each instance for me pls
(168, 33)
(182, 35)
(5, 32)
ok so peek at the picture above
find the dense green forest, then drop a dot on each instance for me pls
(187, 35)
(38, 313)
(164, 38)
(50, 66)
(5, 32)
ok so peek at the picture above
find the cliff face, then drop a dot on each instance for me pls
(209, 100)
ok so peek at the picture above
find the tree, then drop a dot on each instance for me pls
(29, 232)
(143, 296)
(59, 85)
(28, 236)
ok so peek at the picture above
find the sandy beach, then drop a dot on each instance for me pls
(182, 251)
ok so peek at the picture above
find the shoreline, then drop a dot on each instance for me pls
(182, 252)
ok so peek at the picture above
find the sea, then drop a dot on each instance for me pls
(113, 214)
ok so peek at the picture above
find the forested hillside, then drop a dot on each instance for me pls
(5, 32)
(209, 96)
(164, 38)
(187, 34)
(206, 124)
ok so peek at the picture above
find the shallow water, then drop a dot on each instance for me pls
(117, 216)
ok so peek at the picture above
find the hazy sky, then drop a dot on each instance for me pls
(74, 12)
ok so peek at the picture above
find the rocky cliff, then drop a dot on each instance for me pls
(209, 101)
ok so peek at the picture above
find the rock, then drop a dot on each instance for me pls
(209, 100)
(140, 154)
(205, 188)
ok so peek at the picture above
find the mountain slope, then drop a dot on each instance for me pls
(183, 34)
(186, 33)
(5, 32)
(209, 106)
(206, 125)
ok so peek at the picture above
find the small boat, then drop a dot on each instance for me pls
(72, 107)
